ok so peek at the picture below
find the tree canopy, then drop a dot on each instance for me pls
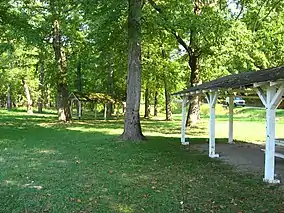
(53, 48)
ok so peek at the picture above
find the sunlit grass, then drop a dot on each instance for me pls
(83, 167)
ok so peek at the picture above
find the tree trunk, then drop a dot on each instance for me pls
(9, 101)
(64, 113)
(40, 68)
(147, 103)
(193, 53)
(110, 89)
(193, 115)
(28, 96)
(79, 83)
(48, 98)
(132, 126)
(79, 86)
(168, 102)
(156, 103)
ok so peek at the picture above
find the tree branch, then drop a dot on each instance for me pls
(171, 30)
(257, 15)
(241, 11)
(271, 9)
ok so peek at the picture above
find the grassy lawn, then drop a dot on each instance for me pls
(82, 167)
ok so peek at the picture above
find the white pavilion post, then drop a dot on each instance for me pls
(271, 102)
(71, 106)
(183, 122)
(212, 99)
(105, 112)
(270, 137)
(231, 119)
(80, 109)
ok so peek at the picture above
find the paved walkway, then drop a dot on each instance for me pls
(246, 157)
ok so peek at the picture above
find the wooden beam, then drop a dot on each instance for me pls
(260, 84)
(276, 83)
(276, 100)
(262, 96)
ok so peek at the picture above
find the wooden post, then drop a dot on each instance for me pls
(270, 137)
(183, 123)
(71, 107)
(9, 102)
(231, 119)
(212, 99)
(80, 110)
(271, 101)
(95, 111)
(105, 113)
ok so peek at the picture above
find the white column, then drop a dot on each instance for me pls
(105, 113)
(231, 119)
(271, 101)
(183, 122)
(270, 137)
(71, 107)
(212, 99)
(80, 109)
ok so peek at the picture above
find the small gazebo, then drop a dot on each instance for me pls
(91, 98)
(268, 84)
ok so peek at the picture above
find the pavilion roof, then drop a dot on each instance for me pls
(237, 81)
(94, 97)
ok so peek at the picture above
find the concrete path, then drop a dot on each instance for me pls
(246, 157)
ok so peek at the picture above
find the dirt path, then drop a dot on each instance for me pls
(245, 157)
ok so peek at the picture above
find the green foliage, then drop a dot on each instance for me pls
(229, 38)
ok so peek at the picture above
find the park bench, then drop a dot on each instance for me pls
(280, 143)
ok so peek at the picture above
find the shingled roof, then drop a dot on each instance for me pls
(236, 81)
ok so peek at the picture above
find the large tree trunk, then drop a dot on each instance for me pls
(110, 89)
(40, 68)
(147, 103)
(132, 126)
(156, 103)
(28, 97)
(64, 113)
(168, 102)
(193, 115)
(9, 101)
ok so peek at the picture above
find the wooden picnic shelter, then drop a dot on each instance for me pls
(266, 84)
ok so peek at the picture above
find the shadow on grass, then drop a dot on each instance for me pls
(51, 168)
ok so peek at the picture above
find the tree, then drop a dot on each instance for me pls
(196, 26)
(132, 126)
(28, 96)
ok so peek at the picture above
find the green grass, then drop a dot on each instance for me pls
(83, 167)
(242, 114)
